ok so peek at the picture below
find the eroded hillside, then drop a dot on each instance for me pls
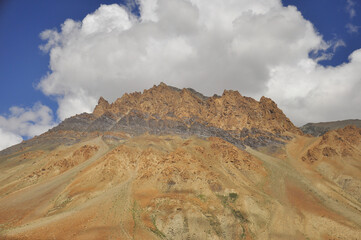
(173, 164)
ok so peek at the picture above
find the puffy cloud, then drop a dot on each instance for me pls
(310, 92)
(258, 47)
(8, 139)
(22, 122)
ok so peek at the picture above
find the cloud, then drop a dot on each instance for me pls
(338, 43)
(8, 139)
(350, 7)
(24, 122)
(255, 46)
(352, 28)
(310, 92)
(328, 50)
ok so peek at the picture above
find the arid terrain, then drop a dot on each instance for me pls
(171, 163)
(318, 129)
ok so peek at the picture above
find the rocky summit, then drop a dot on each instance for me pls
(162, 110)
(172, 163)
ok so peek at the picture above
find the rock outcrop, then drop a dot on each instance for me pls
(334, 154)
(318, 129)
(168, 110)
(336, 144)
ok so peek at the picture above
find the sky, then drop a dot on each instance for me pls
(58, 57)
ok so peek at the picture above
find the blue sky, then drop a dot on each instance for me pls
(23, 66)
(331, 18)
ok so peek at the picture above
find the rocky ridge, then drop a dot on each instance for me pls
(165, 110)
(333, 154)
(173, 164)
(318, 129)
(341, 143)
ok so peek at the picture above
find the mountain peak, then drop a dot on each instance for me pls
(162, 84)
(177, 165)
(166, 107)
(101, 108)
(231, 93)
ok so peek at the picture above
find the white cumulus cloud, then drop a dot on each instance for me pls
(310, 92)
(24, 122)
(258, 47)
(8, 139)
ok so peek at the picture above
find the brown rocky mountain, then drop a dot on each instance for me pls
(174, 164)
(318, 129)
(168, 110)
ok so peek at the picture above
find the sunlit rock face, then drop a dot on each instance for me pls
(171, 163)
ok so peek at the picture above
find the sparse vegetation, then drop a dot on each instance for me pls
(155, 229)
(60, 205)
(171, 183)
(64, 203)
(243, 235)
(224, 199)
(202, 197)
(186, 224)
(237, 214)
(233, 197)
(215, 224)
(135, 216)
(2, 229)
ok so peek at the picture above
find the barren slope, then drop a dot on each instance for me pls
(318, 129)
(149, 178)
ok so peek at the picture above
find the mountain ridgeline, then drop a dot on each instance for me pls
(319, 129)
(163, 110)
(171, 163)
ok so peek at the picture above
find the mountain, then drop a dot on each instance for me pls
(168, 110)
(318, 129)
(171, 163)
